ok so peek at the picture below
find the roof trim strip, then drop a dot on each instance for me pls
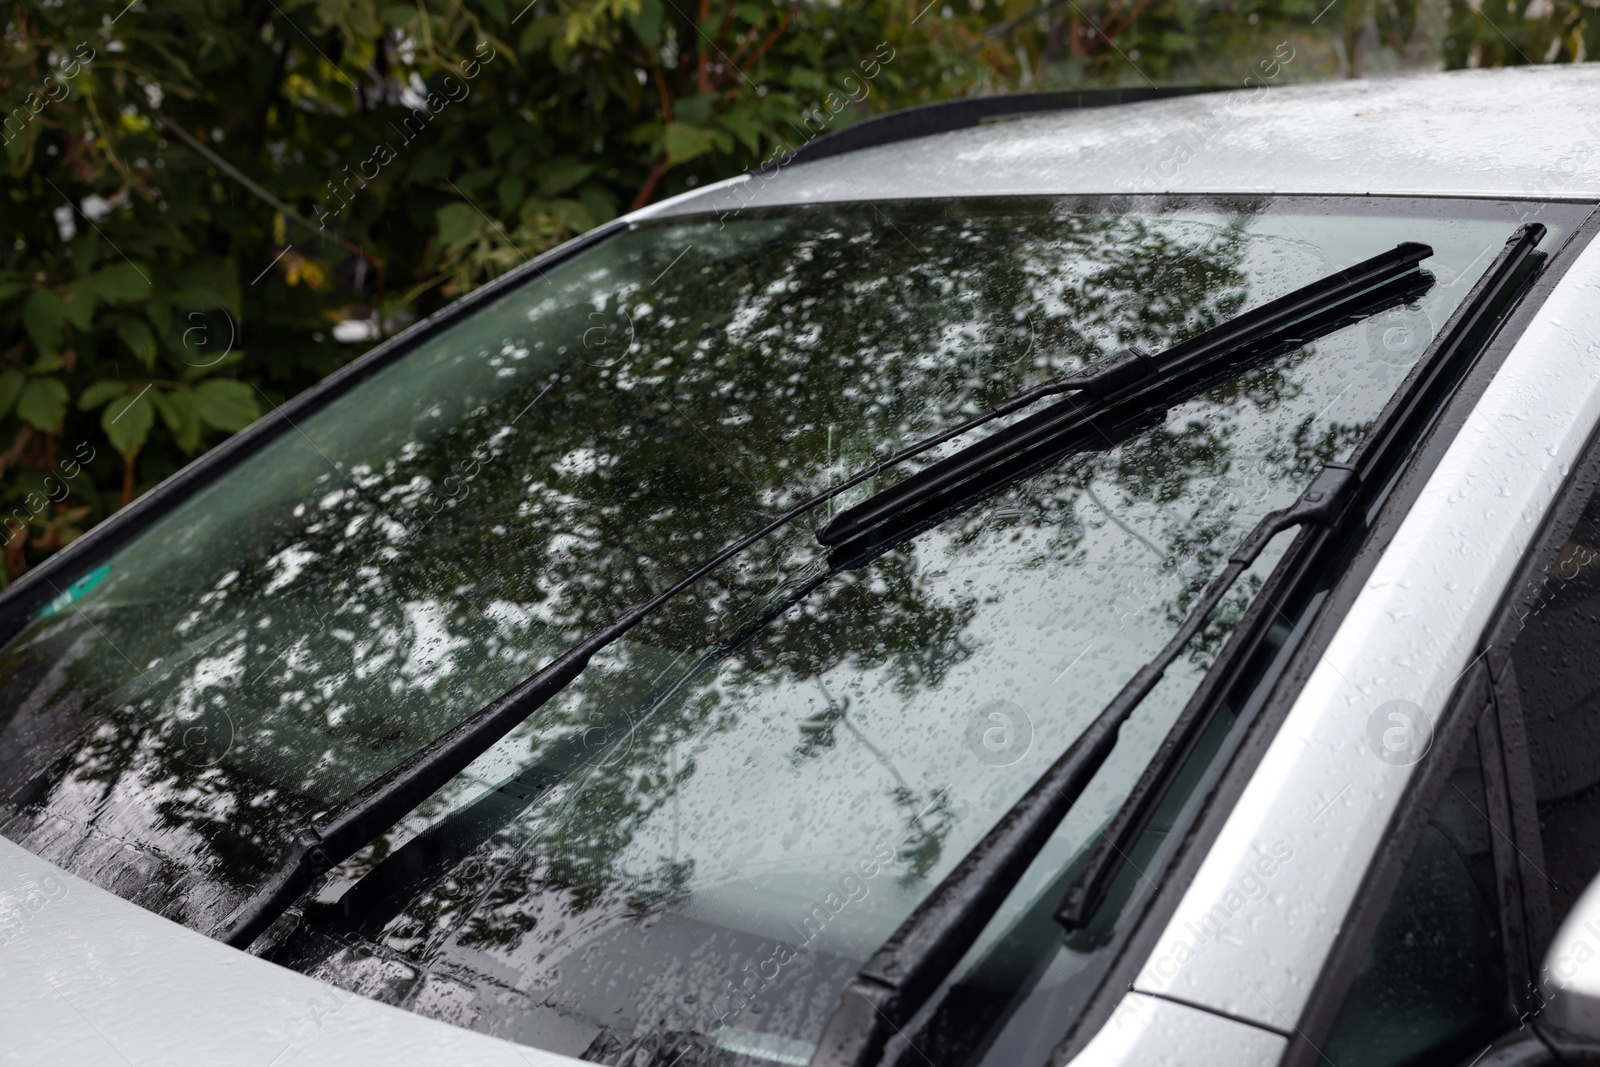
(947, 115)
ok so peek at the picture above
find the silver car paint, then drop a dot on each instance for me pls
(1154, 1032)
(87, 978)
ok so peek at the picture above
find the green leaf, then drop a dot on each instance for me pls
(100, 392)
(181, 414)
(78, 305)
(19, 149)
(600, 204)
(116, 285)
(43, 404)
(10, 289)
(560, 175)
(140, 341)
(162, 401)
(205, 286)
(10, 385)
(745, 125)
(193, 372)
(694, 110)
(226, 404)
(684, 143)
(43, 315)
(476, 180)
(431, 165)
(501, 138)
(159, 313)
(647, 23)
(458, 224)
(573, 214)
(510, 193)
(127, 421)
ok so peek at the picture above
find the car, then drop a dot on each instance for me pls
(1094, 578)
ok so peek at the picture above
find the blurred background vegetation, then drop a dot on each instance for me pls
(211, 204)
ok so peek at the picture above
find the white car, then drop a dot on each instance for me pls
(1116, 585)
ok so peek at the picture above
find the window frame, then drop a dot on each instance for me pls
(1486, 710)
(1582, 484)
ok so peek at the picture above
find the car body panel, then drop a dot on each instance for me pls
(1154, 1032)
(86, 977)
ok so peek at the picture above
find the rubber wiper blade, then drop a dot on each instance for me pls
(1111, 381)
(1103, 430)
(883, 996)
(1463, 331)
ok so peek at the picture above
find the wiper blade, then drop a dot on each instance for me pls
(1089, 886)
(1105, 429)
(897, 981)
(340, 834)
(385, 890)
(900, 976)
(1126, 374)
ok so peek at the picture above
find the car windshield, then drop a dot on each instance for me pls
(691, 847)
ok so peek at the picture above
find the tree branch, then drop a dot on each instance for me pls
(703, 81)
(666, 97)
(648, 189)
(771, 37)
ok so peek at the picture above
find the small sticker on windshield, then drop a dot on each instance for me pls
(74, 591)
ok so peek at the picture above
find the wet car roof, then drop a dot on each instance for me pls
(1528, 131)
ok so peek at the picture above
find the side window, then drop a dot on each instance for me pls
(1433, 986)
(1555, 674)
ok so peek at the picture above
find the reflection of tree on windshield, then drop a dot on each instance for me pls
(346, 641)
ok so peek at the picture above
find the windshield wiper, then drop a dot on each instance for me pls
(884, 995)
(1090, 884)
(340, 834)
(1111, 381)
(334, 838)
(900, 976)
(385, 890)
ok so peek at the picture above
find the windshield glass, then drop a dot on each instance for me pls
(699, 840)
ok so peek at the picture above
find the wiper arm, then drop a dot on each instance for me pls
(329, 841)
(1111, 381)
(340, 834)
(1106, 428)
(897, 981)
(1090, 884)
(900, 976)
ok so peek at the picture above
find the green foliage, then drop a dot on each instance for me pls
(189, 176)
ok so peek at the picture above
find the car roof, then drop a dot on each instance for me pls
(1520, 132)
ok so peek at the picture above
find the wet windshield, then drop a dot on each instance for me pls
(697, 842)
